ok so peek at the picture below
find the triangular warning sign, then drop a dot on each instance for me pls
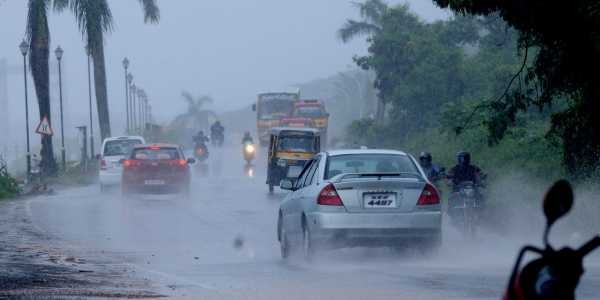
(44, 127)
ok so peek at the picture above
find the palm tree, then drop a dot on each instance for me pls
(196, 112)
(94, 18)
(38, 36)
(372, 13)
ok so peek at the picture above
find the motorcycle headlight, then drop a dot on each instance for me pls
(250, 148)
(282, 163)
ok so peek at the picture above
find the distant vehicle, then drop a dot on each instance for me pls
(270, 109)
(367, 198)
(113, 150)
(249, 151)
(290, 149)
(315, 111)
(156, 169)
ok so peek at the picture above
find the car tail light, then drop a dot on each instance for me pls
(429, 196)
(154, 148)
(329, 196)
(103, 164)
(181, 162)
(128, 163)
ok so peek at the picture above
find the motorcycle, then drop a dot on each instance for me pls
(555, 275)
(465, 207)
(217, 139)
(201, 152)
(249, 152)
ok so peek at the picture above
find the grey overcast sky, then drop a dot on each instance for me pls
(230, 50)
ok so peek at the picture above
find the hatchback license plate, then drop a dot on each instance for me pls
(154, 182)
(387, 200)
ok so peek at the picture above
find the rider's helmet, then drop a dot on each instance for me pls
(463, 158)
(200, 133)
(425, 159)
(247, 134)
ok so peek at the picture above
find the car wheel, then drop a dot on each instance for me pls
(308, 247)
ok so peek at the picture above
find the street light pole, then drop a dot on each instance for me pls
(140, 111)
(133, 108)
(88, 52)
(129, 109)
(59, 53)
(24, 47)
(125, 66)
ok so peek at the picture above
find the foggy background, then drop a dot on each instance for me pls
(230, 50)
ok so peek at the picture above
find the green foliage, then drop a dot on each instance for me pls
(564, 70)
(447, 77)
(8, 185)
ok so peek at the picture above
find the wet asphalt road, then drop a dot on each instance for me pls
(221, 244)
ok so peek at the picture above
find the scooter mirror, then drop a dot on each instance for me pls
(558, 201)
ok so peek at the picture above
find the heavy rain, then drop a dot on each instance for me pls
(202, 149)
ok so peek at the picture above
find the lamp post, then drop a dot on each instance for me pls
(59, 53)
(140, 109)
(133, 107)
(88, 52)
(129, 82)
(24, 47)
(126, 66)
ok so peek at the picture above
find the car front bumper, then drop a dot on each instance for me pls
(374, 229)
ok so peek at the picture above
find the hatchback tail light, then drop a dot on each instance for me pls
(103, 165)
(429, 196)
(329, 196)
(181, 162)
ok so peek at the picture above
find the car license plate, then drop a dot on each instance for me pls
(154, 182)
(383, 200)
(294, 171)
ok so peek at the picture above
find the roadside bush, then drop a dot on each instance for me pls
(8, 185)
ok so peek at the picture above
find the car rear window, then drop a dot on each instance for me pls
(156, 154)
(120, 147)
(369, 163)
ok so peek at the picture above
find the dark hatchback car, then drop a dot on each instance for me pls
(156, 169)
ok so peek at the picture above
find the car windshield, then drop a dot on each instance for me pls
(309, 112)
(369, 163)
(297, 144)
(120, 147)
(156, 154)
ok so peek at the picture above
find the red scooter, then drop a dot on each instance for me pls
(555, 275)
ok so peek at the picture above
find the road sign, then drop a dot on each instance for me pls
(44, 127)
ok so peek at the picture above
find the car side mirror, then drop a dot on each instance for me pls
(287, 184)
(253, 107)
(191, 161)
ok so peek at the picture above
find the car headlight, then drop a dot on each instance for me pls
(250, 148)
(282, 162)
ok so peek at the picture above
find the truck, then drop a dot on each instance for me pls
(270, 109)
(314, 112)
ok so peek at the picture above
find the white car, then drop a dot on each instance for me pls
(113, 150)
(364, 198)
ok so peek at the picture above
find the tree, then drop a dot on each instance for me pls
(94, 19)
(38, 35)
(196, 113)
(372, 13)
(564, 71)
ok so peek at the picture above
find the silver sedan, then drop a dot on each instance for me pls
(365, 198)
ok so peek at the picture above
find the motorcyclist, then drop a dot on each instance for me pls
(434, 172)
(200, 138)
(464, 171)
(217, 132)
(247, 139)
